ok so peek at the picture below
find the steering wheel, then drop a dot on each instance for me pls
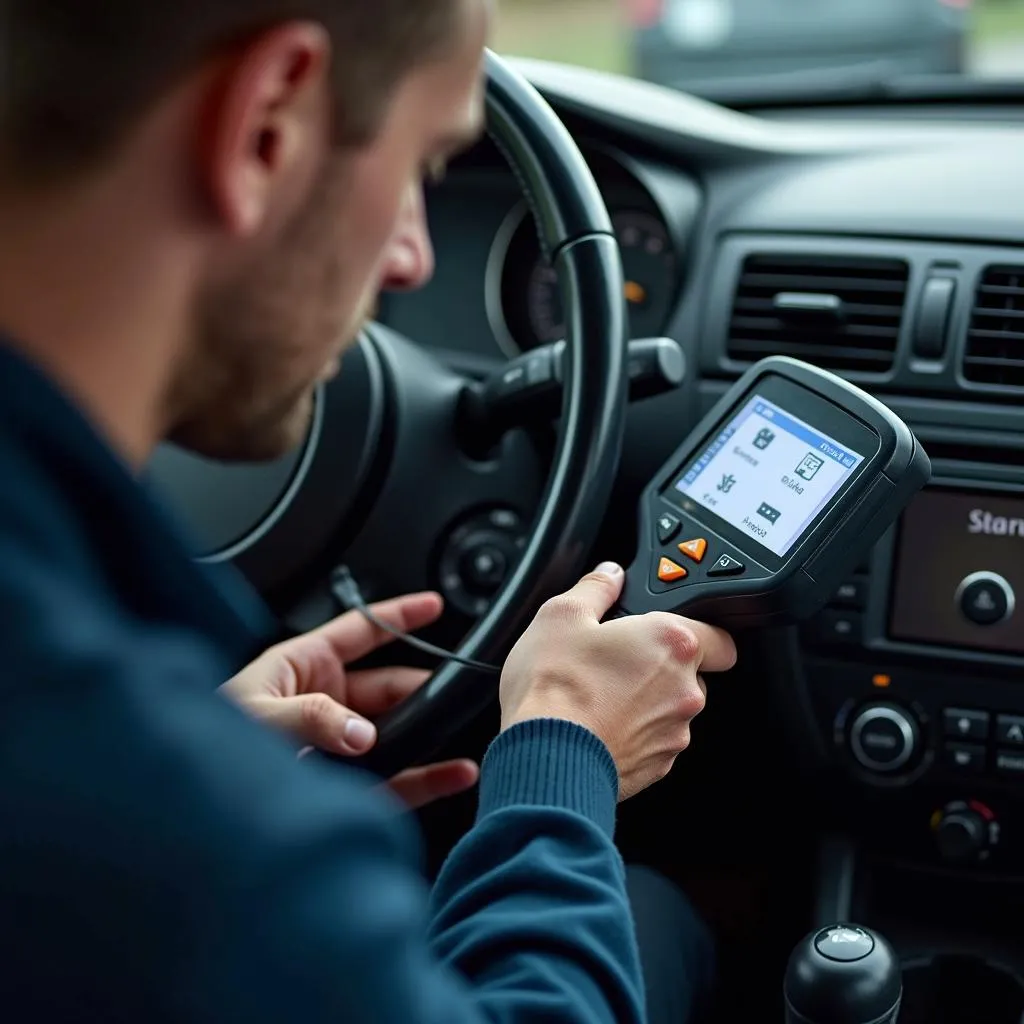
(362, 482)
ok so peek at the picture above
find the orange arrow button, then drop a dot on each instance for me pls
(669, 572)
(695, 549)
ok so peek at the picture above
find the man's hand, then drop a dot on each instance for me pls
(635, 682)
(303, 687)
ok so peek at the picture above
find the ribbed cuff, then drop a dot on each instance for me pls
(549, 762)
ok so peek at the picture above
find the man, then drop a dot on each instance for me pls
(198, 203)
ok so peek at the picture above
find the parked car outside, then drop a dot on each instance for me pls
(726, 47)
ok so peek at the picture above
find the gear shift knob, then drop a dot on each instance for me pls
(843, 974)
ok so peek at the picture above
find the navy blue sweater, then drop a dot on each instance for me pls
(164, 858)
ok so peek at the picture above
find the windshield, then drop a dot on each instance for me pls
(754, 50)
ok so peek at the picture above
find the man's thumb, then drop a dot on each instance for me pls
(599, 590)
(318, 721)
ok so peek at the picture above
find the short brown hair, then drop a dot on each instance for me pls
(78, 74)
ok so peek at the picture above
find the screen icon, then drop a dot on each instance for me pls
(728, 483)
(808, 469)
(764, 438)
(769, 513)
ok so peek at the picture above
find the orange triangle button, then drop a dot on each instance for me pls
(669, 572)
(695, 549)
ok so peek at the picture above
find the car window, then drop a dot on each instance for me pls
(752, 47)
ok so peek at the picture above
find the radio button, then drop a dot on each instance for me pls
(967, 758)
(851, 594)
(840, 627)
(966, 725)
(1010, 730)
(1010, 762)
(985, 598)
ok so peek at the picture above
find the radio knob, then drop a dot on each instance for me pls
(884, 738)
(986, 599)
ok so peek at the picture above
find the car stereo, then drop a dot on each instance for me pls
(778, 493)
(959, 568)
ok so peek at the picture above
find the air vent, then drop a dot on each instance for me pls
(995, 340)
(839, 312)
(959, 444)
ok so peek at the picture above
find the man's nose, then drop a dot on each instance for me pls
(410, 260)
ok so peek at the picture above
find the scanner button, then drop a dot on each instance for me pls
(726, 566)
(695, 549)
(668, 527)
(669, 572)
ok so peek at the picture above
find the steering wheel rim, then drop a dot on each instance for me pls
(577, 237)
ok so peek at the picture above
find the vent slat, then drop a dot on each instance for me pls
(822, 355)
(991, 360)
(984, 334)
(775, 325)
(999, 313)
(822, 283)
(995, 337)
(1001, 289)
(864, 337)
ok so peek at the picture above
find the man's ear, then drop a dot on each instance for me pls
(267, 126)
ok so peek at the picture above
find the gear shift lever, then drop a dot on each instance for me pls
(843, 974)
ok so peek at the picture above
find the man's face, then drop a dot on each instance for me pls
(277, 324)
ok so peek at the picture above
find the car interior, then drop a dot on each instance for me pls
(492, 434)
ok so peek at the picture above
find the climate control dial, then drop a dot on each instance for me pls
(965, 832)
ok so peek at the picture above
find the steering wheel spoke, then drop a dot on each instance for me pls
(433, 491)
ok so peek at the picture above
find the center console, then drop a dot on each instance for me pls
(908, 705)
(911, 683)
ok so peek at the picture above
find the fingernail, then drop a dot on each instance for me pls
(612, 569)
(359, 733)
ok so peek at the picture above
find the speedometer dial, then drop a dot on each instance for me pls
(544, 305)
(649, 266)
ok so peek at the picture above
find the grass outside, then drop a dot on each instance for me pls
(588, 32)
(998, 22)
(594, 33)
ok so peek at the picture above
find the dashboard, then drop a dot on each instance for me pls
(890, 250)
(521, 288)
(490, 263)
(886, 246)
